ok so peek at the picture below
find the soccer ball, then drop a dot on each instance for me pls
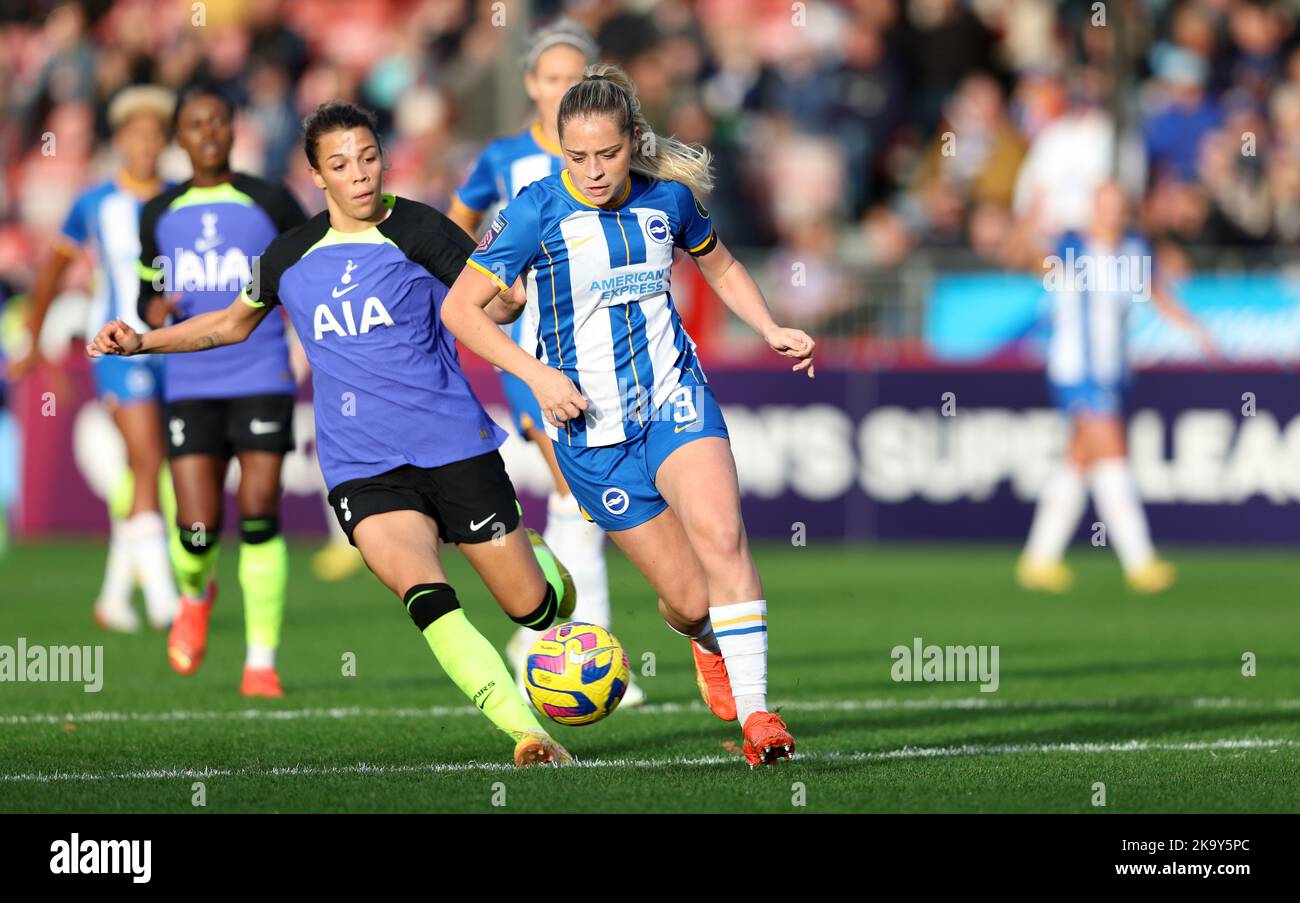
(576, 673)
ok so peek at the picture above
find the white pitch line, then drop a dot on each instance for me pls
(906, 752)
(668, 708)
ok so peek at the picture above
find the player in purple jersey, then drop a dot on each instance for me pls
(106, 218)
(408, 452)
(198, 245)
(639, 435)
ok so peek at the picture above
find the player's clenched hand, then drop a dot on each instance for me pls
(114, 338)
(557, 396)
(793, 343)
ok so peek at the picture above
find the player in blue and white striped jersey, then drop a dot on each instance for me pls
(1093, 281)
(554, 63)
(638, 433)
(106, 217)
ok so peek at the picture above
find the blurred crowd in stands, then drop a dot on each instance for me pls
(849, 135)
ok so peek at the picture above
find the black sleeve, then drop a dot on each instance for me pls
(432, 240)
(263, 290)
(283, 252)
(149, 263)
(278, 202)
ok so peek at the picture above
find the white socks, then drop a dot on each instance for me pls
(581, 546)
(1115, 496)
(1060, 505)
(260, 657)
(146, 537)
(119, 578)
(1120, 509)
(741, 632)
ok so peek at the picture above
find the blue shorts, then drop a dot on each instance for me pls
(615, 484)
(1089, 397)
(525, 412)
(125, 381)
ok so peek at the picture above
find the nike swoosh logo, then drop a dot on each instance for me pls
(473, 526)
(685, 425)
(581, 658)
(262, 427)
(580, 242)
(339, 294)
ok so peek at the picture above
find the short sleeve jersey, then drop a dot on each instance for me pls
(203, 243)
(387, 382)
(599, 282)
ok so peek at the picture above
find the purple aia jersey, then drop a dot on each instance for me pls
(205, 243)
(387, 383)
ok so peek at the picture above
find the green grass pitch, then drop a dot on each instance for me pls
(1145, 695)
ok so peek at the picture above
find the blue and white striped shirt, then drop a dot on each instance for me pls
(598, 283)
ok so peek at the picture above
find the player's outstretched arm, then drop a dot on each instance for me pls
(1171, 309)
(463, 312)
(227, 326)
(44, 288)
(737, 289)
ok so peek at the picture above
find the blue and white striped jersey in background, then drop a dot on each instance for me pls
(506, 166)
(599, 283)
(1089, 319)
(109, 215)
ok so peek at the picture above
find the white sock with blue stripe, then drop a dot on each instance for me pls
(741, 632)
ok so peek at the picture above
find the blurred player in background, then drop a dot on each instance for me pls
(1089, 375)
(198, 244)
(10, 327)
(414, 462)
(107, 217)
(555, 60)
(648, 456)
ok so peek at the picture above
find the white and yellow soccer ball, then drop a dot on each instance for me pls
(576, 673)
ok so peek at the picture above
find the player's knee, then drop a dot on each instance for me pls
(690, 607)
(719, 542)
(427, 602)
(256, 530)
(541, 617)
(140, 460)
(196, 536)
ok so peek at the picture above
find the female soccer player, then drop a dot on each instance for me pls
(554, 63)
(409, 454)
(1105, 272)
(637, 431)
(107, 216)
(198, 244)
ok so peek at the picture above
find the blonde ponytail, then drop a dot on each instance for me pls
(606, 89)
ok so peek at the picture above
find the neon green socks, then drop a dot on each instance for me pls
(471, 662)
